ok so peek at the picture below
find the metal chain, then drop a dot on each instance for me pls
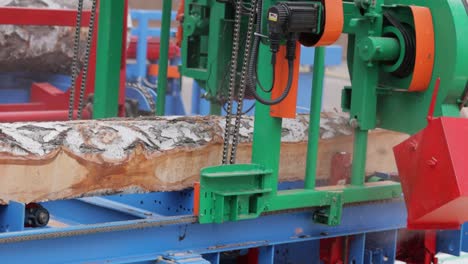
(89, 42)
(243, 82)
(76, 57)
(137, 85)
(233, 78)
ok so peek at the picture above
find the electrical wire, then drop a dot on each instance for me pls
(253, 79)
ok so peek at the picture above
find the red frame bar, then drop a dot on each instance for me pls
(41, 17)
(48, 115)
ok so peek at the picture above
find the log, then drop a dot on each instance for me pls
(51, 161)
(39, 49)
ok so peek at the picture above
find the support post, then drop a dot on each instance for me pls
(314, 124)
(267, 132)
(359, 157)
(164, 57)
(109, 52)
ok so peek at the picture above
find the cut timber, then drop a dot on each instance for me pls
(39, 49)
(50, 161)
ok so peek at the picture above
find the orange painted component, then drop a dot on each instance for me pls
(172, 71)
(425, 46)
(334, 22)
(196, 199)
(287, 108)
(180, 18)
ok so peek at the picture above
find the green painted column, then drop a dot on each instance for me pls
(164, 57)
(314, 123)
(359, 157)
(215, 109)
(267, 133)
(109, 55)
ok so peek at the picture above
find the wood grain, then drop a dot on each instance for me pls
(50, 161)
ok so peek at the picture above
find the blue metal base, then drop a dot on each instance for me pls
(149, 227)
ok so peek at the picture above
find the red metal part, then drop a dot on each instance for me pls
(180, 27)
(435, 93)
(47, 103)
(411, 248)
(434, 174)
(331, 250)
(430, 246)
(41, 17)
(250, 258)
(37, 115)
(340, 169)
(287, 108)
(153, 49)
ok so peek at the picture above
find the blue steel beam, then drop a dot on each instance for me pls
(145, 240)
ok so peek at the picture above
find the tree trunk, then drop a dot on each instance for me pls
(49, 161)
(39, 49)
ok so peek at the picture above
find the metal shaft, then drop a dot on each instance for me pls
(314, 124)
(164, 57)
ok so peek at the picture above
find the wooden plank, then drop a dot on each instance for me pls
(50, 161)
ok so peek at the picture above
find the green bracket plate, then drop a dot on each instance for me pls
(232, 192)
(331, 215)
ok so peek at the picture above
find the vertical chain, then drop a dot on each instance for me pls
(243, 82)
(76, 57)
(89, 42)
(233, 78)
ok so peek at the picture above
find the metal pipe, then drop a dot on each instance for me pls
(109, 55)
(359, 157)
(164, 57)
(314, 122)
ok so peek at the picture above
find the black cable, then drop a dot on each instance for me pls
(285, 92)
(409, 59)
(252, 69)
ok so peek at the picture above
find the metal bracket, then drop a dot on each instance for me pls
(232, 192)
(331, 215)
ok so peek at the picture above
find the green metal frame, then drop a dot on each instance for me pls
(223, 199)
(206, 47)
(236, 192)
(164, 57)
(371, 101)
(367, 101)
(109, 56)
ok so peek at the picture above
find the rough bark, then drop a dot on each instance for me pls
(50, 161)
(38, 49)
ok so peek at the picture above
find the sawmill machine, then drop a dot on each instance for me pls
(407, 62)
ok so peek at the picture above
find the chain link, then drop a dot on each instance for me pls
(233, 79)
(230, 132)
(89, 42)
(137, 85)
(243, 82)
(76, 58)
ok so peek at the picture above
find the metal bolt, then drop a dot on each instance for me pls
(413, 145)
(432, 162)
(354, 123)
